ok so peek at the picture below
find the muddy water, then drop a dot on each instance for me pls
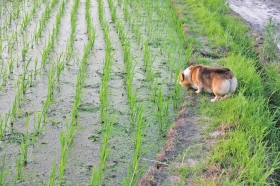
(258, 12)
(85, 151)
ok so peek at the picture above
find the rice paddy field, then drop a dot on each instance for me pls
(88, 89)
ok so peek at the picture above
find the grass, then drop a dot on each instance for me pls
(248, 153)
(269, 48)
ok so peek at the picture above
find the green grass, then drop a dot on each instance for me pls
(248, 153)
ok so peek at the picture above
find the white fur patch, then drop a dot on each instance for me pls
(187, 72)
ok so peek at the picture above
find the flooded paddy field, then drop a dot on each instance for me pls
(87, 89)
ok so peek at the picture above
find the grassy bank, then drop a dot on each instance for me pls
(247, 151)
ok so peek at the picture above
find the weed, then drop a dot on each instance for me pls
(270, 42)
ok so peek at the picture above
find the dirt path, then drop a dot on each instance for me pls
(183, 135)
(258, 12)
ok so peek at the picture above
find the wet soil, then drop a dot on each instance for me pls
(258, 12)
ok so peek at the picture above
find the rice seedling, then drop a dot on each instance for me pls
(1, 43)
(100, 11)
(37, 121)
(59, 66)
(10, 18)
(44, 16)
(11, 64)
(25, 50)
(4, 78)
(24, 83)
(14, 111)
(188, 54)
(35, 68)
(51, 80)
(148, 62)
(134, 173)
(25, 142)
(63, 156)
(161, 110)
(4, 173)
(2, 131)
(25, 21)
(104, 91)
(126, 12)
(177, 90)
(51, 180)
(96, 177)
(19, 166)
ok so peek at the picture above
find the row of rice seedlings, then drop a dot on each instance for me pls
(14, 39)
(90, 29)
(136, 111)
(128, 63)
(48, 47)
(25, 43)
(22, 84)
(66, 140)
(108, 122)
(104, 91)
(4, 124)
(81, 76)
(42, 115)
(162, 113)
(4, 76)
(59, 15)
(25, 47)
(12, 11)
(164, 13)
(44, 17)
(148, 62)
(64, 152)
(21, 160)
(129, 71)
(53, 35)
(70, 42)
(97, 173)
(113, 9)
(28, 16)
(134, 173)
(157, 96)
(53, 74)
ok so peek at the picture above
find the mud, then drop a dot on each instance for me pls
(258, 12)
